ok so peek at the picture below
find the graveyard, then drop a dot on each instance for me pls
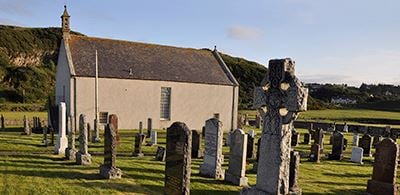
(26, 166)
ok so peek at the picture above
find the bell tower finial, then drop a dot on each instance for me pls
(65, 22)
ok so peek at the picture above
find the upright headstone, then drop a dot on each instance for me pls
(26, 126)
(284, 97)
(366, 144)
(307, 138)
(2, 122)
(344, 144)
(246, 120)
(108, 169)
(70, 152)
(385, 169)
(113, 119)
(376, 139)
(255, 164)
(197, 151)
(96, 134)
(237, 159)
(294, 173)
(258, 121)
(137, 150)
(45, 141)
(62, 140)
(355, 139)
(337, 146)
(315, 153)
(295, 138)
(149, 126)
(89, 129)
(228, 138)
(83, 157)
(160, 154)
(153, 136)
(178, 159)
(213, 158)
(357, 154)
(319, 139)
(141, 127)
(345, 128)
(251, 145)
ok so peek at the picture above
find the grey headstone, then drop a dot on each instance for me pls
(137, 150)
(295, 138)
(213, 158)
(255, 165)
(70, 152)
(237, 159)
(62, 140)
(251, 146)
(197, 151)
(294, 173)
(337, 146)
(357, 154)
(149, 127)
(153, 135)
(83, 157)
(178, 159)
(307, 138)
(366, 143)
(160, 154)
(315, 153)
(108, 169)
(355, 139)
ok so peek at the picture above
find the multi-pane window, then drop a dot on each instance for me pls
(103, 116)
(165, 103)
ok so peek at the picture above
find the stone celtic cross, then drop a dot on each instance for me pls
(279, 100)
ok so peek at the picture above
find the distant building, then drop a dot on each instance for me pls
(341, 100)
(138, 81)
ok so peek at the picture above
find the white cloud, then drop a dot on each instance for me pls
(244, 33)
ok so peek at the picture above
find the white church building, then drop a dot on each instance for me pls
(137, 81)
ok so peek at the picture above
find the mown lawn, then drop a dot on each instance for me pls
(26, 167)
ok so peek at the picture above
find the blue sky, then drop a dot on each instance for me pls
(335, 41)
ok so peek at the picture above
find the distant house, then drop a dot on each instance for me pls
(342, 100)
(138, 81)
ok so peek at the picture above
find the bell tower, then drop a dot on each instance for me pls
(65, 22)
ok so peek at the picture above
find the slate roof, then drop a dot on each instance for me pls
(133, 60)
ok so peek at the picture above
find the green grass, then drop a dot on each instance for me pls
(28, 167)
(20, 115)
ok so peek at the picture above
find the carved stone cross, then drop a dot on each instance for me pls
(279, 101)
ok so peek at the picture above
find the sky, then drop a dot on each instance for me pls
(332, 41)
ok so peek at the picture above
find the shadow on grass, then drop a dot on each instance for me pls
(348, 174)
(339, 183)
(12, 129)
(121, 187)
(52, 174)
(206, 192)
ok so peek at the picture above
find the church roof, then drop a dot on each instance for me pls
(133, 60)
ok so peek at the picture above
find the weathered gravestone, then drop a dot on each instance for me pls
(153, 136)
(149, 127)
(376, 140)
(45, 141)
(344, 144)
(319, 139)
(137, 150)
(357, 154)
(315, 153)
(213, 158)
(337, 146)
(258, 121)
(178, 159)
(294, 188)
(295, 138)
(237, 159)
(283, 96)
(307, 138)
(62, 140)
(140, 127)
(385, 169)
(197, 152)
(366, 144)
(96, 134)
(160, 154)
(108, 169)
(246, 120)
(2, 122)
(251, 145)
(255, 164)
(70, 152)
(83, 157)
(89, 130)
(355, 139)
(228, 138)
(26, 126)
(113, 119)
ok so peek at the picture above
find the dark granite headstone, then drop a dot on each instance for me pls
(178, 159)
(376, 140)
(294, 173)
(337, 146)
(109, 170)
(366, 143)
(385, 169)
(307, 137)
(344, 144)
(255, 165)
(137, 151)
(197, 151)
(251, 147)
(160, 154)
(149, 126)
(319, 139)
(315, 153)
(295, 138)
